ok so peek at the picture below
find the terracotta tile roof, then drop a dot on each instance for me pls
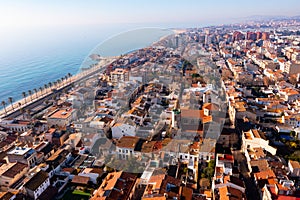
(295, 164)
(62, 114)
(186, 193)
(80, 180)
(189, 113)
(155, 198)
(14, 170)
(229, 193)
(261, 164)
(148, 146)
(127, 142)
(157, 181)
(264, 174)
(117, 185)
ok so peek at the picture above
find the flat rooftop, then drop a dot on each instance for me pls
(19, 151)
(62, 114)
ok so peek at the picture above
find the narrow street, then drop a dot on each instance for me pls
(251, 189)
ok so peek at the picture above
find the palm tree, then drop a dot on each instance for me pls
(19, 104)
(10, 100)
(24, 96)
(54, 84)
(50, 85)
(69, 76)
(45, 88)
(62, 80)
(30, 94)
(41, 90)
(3, 103)
(35, 91)
(66, 78)
(58, 81)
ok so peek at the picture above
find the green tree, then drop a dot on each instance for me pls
(30, 94)
(10, 100)
(3, 103)
(24, 96)
(295, 156)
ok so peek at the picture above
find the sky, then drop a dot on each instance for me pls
(34, 13)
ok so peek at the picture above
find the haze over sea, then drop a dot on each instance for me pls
(30, 59)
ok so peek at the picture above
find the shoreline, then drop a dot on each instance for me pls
(32, 98)
(27, 100)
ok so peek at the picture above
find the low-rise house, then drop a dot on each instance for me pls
(11, 173)
(46, 149)
(207, 150)
(294, 168)
(37, 184)
(56, 161)
(224, 164)
(24, 155)
(16, 125)
(61, 117)
(116, 185)
(162, 186)
(121, 129)
(252, 139)
(229, 193)
(49, 134)
(229, 182)
(125, 146)
(79, 180)
(92, 173)
(289, 94)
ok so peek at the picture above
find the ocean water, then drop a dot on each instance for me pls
(31, 58)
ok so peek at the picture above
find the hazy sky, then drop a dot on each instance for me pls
(20, 13)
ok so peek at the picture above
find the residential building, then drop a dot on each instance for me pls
(11, 173)
(116, 185)
(119, 75)
(294, 168)
(37, 184)
(61, 117)
(23, 155)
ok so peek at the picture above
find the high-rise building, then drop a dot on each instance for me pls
(258, 35)
(251, 36)
(238, 36)
(265, 36)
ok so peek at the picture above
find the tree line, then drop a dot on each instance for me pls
(36, 92)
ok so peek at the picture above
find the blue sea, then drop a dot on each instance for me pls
(30, 58)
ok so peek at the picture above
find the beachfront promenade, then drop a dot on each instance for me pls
(40, 95)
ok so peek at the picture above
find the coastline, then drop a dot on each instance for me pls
(32, 98)
(48, 91)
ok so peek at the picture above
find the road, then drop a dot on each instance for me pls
(251, 189)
